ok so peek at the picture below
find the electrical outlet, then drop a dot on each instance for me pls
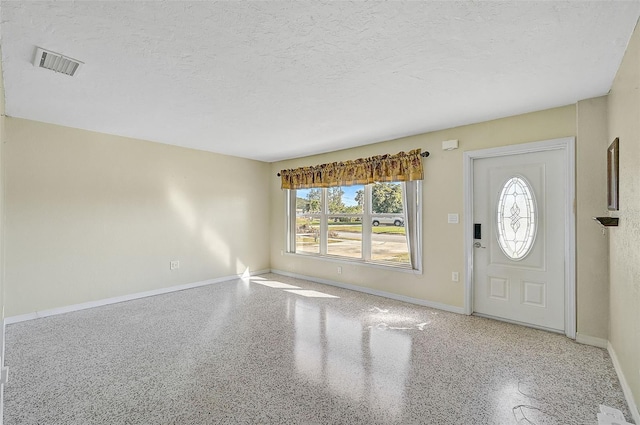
(174, 265)
(282, 252)
(339, 270)
(455, 276)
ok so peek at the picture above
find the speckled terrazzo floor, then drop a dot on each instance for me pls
(249, 352)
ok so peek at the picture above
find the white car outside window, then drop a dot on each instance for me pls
(396, 221)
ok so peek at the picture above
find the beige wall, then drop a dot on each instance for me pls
(91, 216)
(2, 216)
(592, 245)
(624, 122)
(2, 227)
(442, 193)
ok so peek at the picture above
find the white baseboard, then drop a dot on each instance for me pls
(122, 298)
(411, 300)
(592, 340)
(625, 386)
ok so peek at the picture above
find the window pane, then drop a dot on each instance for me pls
(389, 243)
(345, 200)
(386, 198)
(308, 201)
(307, 234)
(388, 234)
(345, 236)
(308, 208)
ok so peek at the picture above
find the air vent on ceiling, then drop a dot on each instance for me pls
(56, 62)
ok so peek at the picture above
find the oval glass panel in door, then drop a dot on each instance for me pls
(516, 218)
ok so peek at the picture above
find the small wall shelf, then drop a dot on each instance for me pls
(607, 221)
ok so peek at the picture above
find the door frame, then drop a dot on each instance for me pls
(566, 144)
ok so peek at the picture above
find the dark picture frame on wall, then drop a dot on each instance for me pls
(613, 175)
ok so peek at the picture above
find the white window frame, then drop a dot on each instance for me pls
(367, 217)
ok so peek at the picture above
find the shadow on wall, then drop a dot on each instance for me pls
(230, 221)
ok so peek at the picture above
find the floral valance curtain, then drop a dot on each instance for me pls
(381, 168)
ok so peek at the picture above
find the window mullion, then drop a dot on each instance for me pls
(324, 223)
(291, 220)
(366, 224)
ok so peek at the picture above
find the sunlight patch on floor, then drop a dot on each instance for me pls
(276, 284)
(311, 294)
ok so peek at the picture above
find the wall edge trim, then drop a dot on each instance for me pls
(626, 389)
(591, 340)
(122, 298)
(390, 295)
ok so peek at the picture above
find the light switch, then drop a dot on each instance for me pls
(452, 218)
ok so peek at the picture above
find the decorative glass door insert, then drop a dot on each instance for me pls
(516, 218)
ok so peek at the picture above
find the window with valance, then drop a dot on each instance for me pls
(382, 168)
(366, 210)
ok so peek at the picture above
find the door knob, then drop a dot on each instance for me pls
(478, 245)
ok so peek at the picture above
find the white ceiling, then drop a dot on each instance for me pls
(282, 79)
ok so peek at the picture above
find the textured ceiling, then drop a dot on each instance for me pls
(275, 80)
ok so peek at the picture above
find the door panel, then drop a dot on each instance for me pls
(529, 289)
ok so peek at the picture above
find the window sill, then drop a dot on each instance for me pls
(355, 261)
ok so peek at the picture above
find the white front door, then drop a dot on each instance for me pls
(519, 211)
